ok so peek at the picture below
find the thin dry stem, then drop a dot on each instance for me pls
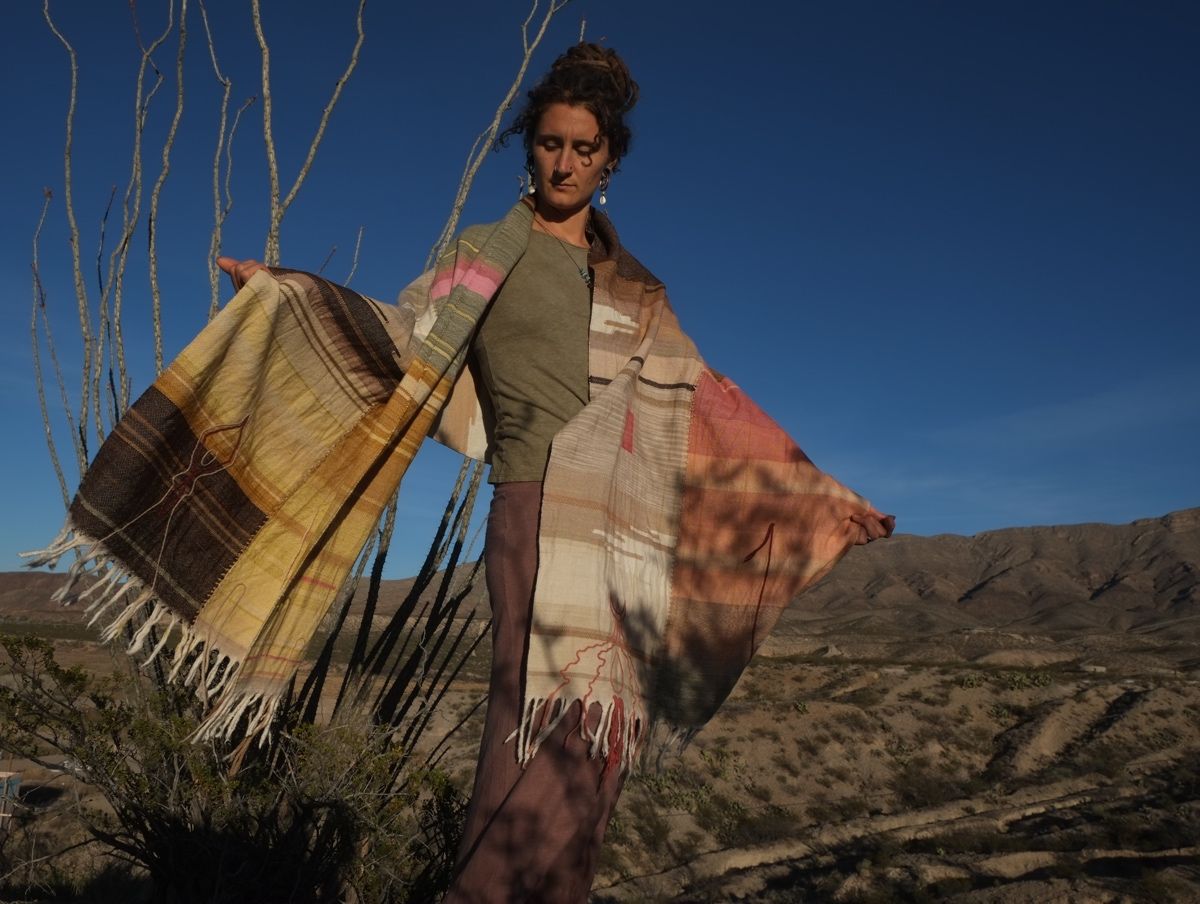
(152, 217)
(488, 137)
(39, 304)
(354, 262)
(214, 244)
(223, 212)
(85, 323)
(103, 331)
(271, 254)
(26, 864)
(264, 50)
(328, 258)
(131, 207)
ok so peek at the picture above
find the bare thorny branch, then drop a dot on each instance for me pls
(105, 329)
(39, 307)
(226, 84)
(225, 147)
(279, 207)
(354, 260)
(328, 258)
(488, 137)
(112, 298)
(78, 436)
(90, 415)
(133, 191)
(152, 218)
(215, 245)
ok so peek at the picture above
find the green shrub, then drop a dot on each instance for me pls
(320, 812)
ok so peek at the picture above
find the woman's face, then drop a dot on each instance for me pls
(569, 157)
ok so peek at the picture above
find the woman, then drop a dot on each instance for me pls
(535, 822)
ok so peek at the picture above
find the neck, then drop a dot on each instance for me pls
(568, 225)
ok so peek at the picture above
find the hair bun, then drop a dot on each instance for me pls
(605, 65)
(587, 75)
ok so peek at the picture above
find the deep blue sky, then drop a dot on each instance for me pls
(954, 248)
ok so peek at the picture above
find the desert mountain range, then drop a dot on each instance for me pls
(1140, 578)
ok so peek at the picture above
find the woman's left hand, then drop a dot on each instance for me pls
(873, 525)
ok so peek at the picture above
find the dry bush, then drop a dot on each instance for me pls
(323, 812)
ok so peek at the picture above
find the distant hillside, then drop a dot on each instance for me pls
(25, 595)
(1140, 578)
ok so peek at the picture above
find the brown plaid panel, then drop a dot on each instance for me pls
(164, 505)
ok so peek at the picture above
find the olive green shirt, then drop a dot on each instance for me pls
(531, 355)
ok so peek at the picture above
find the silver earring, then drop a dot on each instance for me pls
(604, 187)
(528, 180)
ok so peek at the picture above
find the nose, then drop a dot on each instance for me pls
(564, 163)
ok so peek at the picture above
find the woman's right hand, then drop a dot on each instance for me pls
(239, 271)
(872, 525)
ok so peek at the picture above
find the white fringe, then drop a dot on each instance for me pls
(537, 724)
(175, 622)
(188, 644)
(210, 673)
(223, 721)
(157, 614)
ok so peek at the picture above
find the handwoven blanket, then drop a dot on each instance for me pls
(234, 496)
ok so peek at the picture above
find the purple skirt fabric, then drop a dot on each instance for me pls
(531, 834)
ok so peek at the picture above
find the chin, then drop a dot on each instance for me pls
(567, 205)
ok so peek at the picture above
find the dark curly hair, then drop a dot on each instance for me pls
(589, 76)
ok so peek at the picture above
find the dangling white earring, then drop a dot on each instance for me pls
(528, 180)
(604, 187)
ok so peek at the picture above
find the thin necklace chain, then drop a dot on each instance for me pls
(583, 273)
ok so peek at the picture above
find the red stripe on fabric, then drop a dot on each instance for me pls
(627, 436)
(316, 582)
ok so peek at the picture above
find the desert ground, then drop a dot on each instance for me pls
(1008, 717)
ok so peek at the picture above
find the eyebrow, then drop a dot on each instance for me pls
(596, 142)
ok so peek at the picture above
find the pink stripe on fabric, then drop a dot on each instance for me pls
(476, 277)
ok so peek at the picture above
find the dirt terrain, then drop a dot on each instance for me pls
(1008, 717)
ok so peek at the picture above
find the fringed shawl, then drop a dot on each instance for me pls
(233, 497)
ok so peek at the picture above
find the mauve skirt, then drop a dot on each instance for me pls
(532, 834)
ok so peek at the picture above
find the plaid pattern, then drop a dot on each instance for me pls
(677, 522)
(234, 496)
(677, 519)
